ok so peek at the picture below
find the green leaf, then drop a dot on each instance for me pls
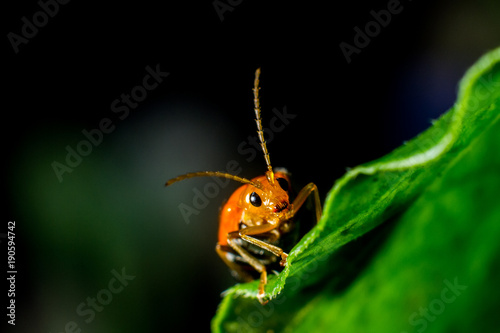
(407, 242)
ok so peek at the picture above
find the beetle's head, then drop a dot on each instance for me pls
(268, 198)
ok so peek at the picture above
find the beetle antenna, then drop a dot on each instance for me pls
(213, 174)
(260, 132)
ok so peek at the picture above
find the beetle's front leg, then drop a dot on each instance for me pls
(252, 261)
(260, 229)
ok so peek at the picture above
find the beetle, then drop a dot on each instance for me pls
(257, 214)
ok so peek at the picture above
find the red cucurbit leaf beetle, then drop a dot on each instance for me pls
(257, 214)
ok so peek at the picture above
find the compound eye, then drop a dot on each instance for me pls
(255, 200)
(283, 184)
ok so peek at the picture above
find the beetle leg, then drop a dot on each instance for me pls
(252, 261)
(301, 198)
(273, 235)
(260, 229)
(222, 251)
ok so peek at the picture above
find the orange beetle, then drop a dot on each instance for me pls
(257, 214)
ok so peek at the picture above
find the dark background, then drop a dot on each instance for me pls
(112, 211)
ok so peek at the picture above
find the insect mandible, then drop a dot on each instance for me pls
(256, 214)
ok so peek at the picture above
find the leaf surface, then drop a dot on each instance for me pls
(396, 232)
